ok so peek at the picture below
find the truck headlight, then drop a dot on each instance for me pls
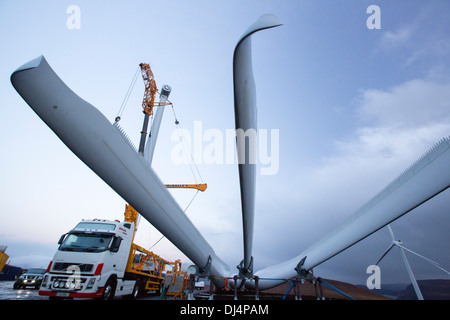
(90, 283)
(44, 281)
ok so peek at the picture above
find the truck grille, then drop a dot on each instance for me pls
(63, 266)
(31, 277)
(67, 283)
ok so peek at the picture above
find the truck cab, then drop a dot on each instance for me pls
(91, 261)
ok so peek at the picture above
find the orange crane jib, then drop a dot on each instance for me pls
(200, 187)
(150, 88)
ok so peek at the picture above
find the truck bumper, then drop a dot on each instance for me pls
(73, 286)
(63, 294)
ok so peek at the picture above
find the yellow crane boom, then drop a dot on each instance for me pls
(130, 214)
(200, 187)
(150, 88)
(149, 101)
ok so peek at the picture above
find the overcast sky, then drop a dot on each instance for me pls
(354, 108)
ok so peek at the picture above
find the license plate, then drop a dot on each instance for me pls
(62, 294)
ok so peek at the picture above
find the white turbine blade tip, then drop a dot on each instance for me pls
(30, 64)
(264, 22)
(269, 20)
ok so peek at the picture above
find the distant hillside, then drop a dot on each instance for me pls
(431, 290)
(308, 291)
(436, 289)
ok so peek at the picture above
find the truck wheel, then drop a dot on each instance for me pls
(109, 290)
(136, 290)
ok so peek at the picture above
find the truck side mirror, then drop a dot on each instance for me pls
(115, 244)
(61, 239)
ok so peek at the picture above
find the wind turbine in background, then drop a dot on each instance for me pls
(399, 244)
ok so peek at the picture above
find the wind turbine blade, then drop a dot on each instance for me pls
(391, 232)
(246, 126)
(103, 147)
(409, 250)
(385, 253)
(426, 178)
(437, 265)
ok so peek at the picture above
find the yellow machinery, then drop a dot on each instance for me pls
(150, 88)
(150, 267)
(200, 187)
(3, 257)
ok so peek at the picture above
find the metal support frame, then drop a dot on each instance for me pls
(235, 278)
(245, 272)
(211, 287)
(302, 275)
(318, 288)
(256, 278)
(206, 270)
(237, 286)
(298, 294)
(191, 287)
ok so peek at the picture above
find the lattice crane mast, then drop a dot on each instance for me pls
(150, 88)
(148, 102)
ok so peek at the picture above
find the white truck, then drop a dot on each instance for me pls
(98, 259)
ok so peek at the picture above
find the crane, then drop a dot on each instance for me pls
(148, 101)
(147, 105)
(150, 88)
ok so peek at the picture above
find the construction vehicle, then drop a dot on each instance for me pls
(3, 257)
(98, 259)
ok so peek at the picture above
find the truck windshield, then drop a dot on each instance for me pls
(86, 242)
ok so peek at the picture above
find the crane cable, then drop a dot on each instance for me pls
(163, 236)
(127, 95)
(182, 138)
(186, 149)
